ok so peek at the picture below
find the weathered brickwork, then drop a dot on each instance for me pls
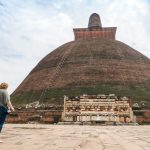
(33, 115)
(104, 33)
(142, 116)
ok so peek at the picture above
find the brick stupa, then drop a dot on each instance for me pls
(93, 63)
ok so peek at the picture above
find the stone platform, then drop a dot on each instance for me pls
(74, 137)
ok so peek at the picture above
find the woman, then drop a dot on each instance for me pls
(5, 103)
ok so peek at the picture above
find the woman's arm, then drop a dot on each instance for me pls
(10, 105)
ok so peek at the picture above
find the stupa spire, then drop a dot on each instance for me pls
(94, 21)
(95, 30)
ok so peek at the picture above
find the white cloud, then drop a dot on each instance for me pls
(131, 17)
(31, 29)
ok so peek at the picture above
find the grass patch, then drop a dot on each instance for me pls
(55, 96)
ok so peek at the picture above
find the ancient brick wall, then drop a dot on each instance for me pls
(143, 116)
(42, 116)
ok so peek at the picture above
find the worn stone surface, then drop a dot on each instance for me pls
(59, 137)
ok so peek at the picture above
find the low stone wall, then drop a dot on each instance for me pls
(40, 116)
(54, 116)
(142, 116)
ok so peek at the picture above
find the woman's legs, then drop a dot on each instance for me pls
(3, 114)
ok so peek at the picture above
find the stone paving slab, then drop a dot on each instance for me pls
(74, 137)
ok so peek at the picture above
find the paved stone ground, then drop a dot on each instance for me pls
(60, 137)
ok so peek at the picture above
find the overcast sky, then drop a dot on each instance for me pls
(30, 29)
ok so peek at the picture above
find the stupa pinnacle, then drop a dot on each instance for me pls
(95, 30)
(94, 21)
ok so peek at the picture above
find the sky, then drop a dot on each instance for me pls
(30, 29)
